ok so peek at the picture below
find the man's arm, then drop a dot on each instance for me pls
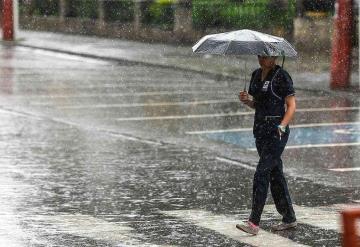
(290, 110)
(244, 97)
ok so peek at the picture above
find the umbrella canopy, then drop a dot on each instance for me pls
(244, 42)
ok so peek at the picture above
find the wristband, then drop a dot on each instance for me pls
(282, 128)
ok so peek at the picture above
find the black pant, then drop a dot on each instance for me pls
(270, 171)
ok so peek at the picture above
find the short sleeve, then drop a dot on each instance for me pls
(251, 86)
(286, 87)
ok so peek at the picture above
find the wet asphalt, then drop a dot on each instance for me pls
(94, 152)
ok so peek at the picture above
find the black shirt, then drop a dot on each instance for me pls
(269, 95)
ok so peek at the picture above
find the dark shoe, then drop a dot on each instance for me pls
(248, 227)
(284, 226)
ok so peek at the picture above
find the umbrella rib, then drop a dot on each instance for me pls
(227, 46)
(265, 48)
(291, 47)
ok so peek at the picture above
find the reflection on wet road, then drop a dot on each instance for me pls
(99, 154)
(313, 135)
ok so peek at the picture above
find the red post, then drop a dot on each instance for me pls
(341, 46)
(349, 217)
(8, 20)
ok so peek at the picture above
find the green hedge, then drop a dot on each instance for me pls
(39, 7)
(159, 13)
(122, 11)
(82, 8)
(241, 14)
(230, 14)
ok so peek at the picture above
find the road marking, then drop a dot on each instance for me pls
(327, 218)
(323, 145)
(21, 114)
(141, 104)
(128, 86)
(90, 227)
(184, 116)
(349, 169)
(328, 109)
(323, 124)
(153, 93)
(323, 217)
(204, 102)
(218, 131)
(348, 131)
(318, 145)
(291, 126)
(227, 114)
(226, 225)
(253, 168)
(237, 163)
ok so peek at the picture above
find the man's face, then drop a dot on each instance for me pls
(266, 62)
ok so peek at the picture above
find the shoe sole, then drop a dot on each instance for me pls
(283, 229)
(244, 230)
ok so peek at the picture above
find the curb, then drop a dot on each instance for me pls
(124, 61)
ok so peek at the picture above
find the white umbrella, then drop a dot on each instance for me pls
(244, 42)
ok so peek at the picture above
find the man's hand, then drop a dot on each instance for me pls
(281, 130)
(244, 97)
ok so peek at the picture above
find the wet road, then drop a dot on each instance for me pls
(96, 153)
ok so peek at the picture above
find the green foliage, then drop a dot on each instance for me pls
(241, 14)
(159, 13)
(82, 8)
(122, 11)
(230, 14)
(39, 7)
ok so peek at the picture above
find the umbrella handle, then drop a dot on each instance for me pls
(245, 77)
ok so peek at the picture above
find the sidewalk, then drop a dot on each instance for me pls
(309, 72)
